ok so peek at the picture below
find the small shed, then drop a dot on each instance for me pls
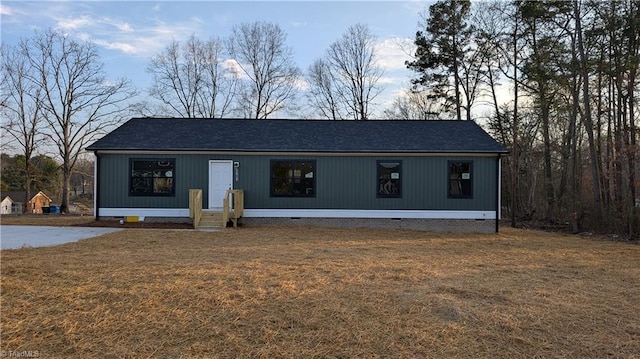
(7, 206)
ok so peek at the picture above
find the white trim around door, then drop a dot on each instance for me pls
(220, 180)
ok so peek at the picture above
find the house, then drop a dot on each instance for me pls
(433, 175)
(7, 205)
(18, 201)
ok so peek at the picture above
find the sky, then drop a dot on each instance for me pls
(128, 34)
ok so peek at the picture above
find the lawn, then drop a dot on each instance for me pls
(327, 293)
(46, 220)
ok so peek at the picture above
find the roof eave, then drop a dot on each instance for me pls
(257, 151)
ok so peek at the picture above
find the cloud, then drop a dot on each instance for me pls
(5, 10)
(232, 65)
(123, 26)
(416, 6)
(118, 35)
(74, 23)
(117, 45)
(301, 83)
(393, 52)
(137, 32)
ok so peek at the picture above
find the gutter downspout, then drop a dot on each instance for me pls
(498, 189)
(96, 186)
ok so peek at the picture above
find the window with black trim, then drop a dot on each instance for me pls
(152, 177)
(293, 178)
(460, 179)
(389, 178)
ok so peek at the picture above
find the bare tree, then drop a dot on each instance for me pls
(261, 52)
(82, 177)
(21, 109)
(78, 102)
(323, 94)
(413, 105)
(352, 59)
(192, 80)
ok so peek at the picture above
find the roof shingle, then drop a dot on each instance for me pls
(182, 134)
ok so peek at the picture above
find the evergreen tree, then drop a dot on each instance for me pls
(440, 53)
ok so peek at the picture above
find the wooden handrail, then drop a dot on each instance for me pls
(225, 210)
(236, 210)
(195, 206)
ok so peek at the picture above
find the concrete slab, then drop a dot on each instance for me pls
(12, 237)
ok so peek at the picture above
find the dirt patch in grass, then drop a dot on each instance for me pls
(117, 224)
(330, 293)
(63, 220)
(59, 220)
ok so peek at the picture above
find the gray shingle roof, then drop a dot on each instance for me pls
(181, 134)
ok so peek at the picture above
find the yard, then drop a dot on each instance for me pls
(329, 293)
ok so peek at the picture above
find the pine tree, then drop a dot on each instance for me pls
(441, 50)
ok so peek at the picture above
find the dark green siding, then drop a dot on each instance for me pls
(347, 182)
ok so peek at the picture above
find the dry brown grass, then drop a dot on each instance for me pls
(65, 220)
(46, 219)
(329, 293)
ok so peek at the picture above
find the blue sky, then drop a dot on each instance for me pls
(129, 33)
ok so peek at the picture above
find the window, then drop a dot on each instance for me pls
(293, 178)
(389, 179)
(460, 184)
(152, 177)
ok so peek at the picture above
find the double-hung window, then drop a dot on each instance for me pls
(293, 178)
(460, 179)
(152, 177)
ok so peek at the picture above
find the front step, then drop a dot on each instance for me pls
(210, 220)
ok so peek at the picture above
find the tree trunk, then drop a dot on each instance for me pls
(66, 184)
(588, 122)
(456, 78)
(514, 147)
(27, 177)
(546, 137)
(632, 148)
(569, 150)
(599, 145)
(631, 158)
(27, 188)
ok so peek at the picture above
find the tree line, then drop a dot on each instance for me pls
(569, 118)
(55, 93)
(252, 74)
(554, 81)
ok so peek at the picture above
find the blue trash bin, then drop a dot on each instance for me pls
(54, 209)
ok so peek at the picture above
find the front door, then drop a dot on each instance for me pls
(220, 180)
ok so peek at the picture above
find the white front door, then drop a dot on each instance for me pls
(220, 180)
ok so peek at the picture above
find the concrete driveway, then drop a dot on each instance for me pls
(12, 237)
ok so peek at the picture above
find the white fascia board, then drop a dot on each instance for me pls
(348, 213)
(301, 153)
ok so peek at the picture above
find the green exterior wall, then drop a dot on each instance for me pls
(342, 182)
